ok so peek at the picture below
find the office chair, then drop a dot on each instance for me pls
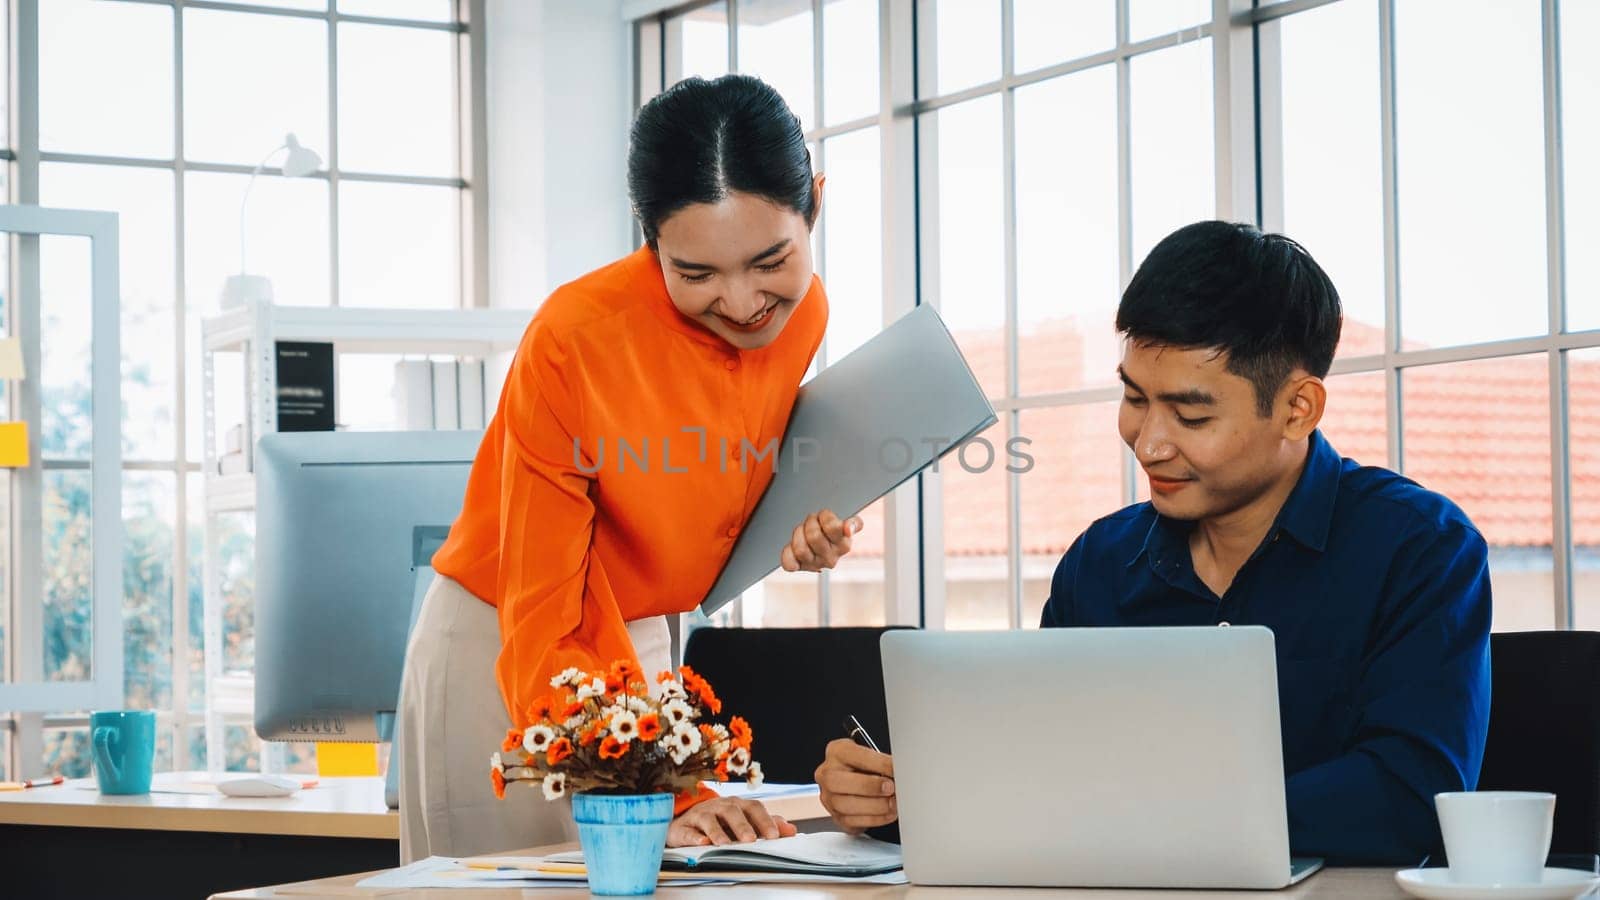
(1544, 731)
(794, 686)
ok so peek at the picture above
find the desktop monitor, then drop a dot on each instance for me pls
(346, 525)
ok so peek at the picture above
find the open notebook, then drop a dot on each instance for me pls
(822, 853)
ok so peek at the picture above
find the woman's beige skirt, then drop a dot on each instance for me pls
(452, 718)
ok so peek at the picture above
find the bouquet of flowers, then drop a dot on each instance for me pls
(604, 732)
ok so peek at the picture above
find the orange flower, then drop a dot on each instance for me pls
(722, 769)
(499, 781)
(561, 749)
(665, 676)
(611, 748)
(649, 727)
(740, 729)
(693, 682)
(574, 707)
(592, 733)
(708, 734)
(624, 671)
(513, 740)
(539, 710)
(700, 688)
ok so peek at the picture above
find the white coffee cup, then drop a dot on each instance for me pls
(1496, 837)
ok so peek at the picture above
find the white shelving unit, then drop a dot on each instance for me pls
(253, 331)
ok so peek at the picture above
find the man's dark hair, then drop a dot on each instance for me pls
(1224, 286)
(700, 140)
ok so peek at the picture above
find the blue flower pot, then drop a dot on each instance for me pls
(622, 836)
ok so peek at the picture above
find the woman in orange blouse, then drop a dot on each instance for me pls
(628, 450)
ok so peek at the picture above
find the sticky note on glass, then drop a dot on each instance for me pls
(334, 759)
(11, 359)
(13, 445)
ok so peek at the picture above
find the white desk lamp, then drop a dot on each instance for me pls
(244, 288)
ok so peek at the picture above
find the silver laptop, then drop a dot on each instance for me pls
(864, 425)
(1090, 757)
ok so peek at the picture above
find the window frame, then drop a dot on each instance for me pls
(23, 156)
(28, 691)
(1248, 187)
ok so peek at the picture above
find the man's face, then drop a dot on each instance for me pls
(1197, 432)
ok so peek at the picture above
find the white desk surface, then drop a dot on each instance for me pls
(1325, 885)
(336, 807)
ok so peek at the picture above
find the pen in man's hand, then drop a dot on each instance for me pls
(854, 731)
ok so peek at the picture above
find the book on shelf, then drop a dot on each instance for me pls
(446, 397)
(305, 386)
(439, 395)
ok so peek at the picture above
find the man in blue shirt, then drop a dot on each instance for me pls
(1376, 589)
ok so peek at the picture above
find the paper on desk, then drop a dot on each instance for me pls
(766, 791)
(448, 872)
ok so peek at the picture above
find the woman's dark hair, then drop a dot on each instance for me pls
(1223, 286)
(698, 141)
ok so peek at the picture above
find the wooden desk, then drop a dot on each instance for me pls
(69, 841)
(1377, 884)
(336, 807)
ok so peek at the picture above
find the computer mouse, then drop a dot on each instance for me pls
(259, 786)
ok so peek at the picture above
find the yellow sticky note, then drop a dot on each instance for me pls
(13, 445)
(334, 759)
(11, 359)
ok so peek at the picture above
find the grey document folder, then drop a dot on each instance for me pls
(861, 427)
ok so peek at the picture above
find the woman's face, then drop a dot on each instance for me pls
(739, 267)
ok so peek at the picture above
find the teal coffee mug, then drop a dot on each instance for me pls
(124, 750)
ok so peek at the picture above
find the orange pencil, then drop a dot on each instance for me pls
(30, 783)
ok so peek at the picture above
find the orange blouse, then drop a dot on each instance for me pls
(610, 484)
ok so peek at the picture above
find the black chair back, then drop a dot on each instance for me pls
(794, 686)
(1544, 728)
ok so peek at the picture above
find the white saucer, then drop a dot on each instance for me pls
(1435, 884)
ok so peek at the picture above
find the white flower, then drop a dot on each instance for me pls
(611, 710)
(537, 739)
(720, 731)
(756, 778)
(684, 741)
(624, 726)
(719, 748)
(555, 785)
(739, 761)
(671, 690)
(573, 723)
(594, 688)
(569, 675)
(676, 712)
(497, 764)
(638, 706)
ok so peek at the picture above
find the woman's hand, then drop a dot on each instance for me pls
(726, 820)
(819, 542)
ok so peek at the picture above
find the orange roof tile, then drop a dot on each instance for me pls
(1477, 432)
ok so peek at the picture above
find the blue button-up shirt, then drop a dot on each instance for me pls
(1377, 594)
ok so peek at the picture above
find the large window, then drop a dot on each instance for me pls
(1438, 157)
(1449, 200)
(161, 111)
(831, 84)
